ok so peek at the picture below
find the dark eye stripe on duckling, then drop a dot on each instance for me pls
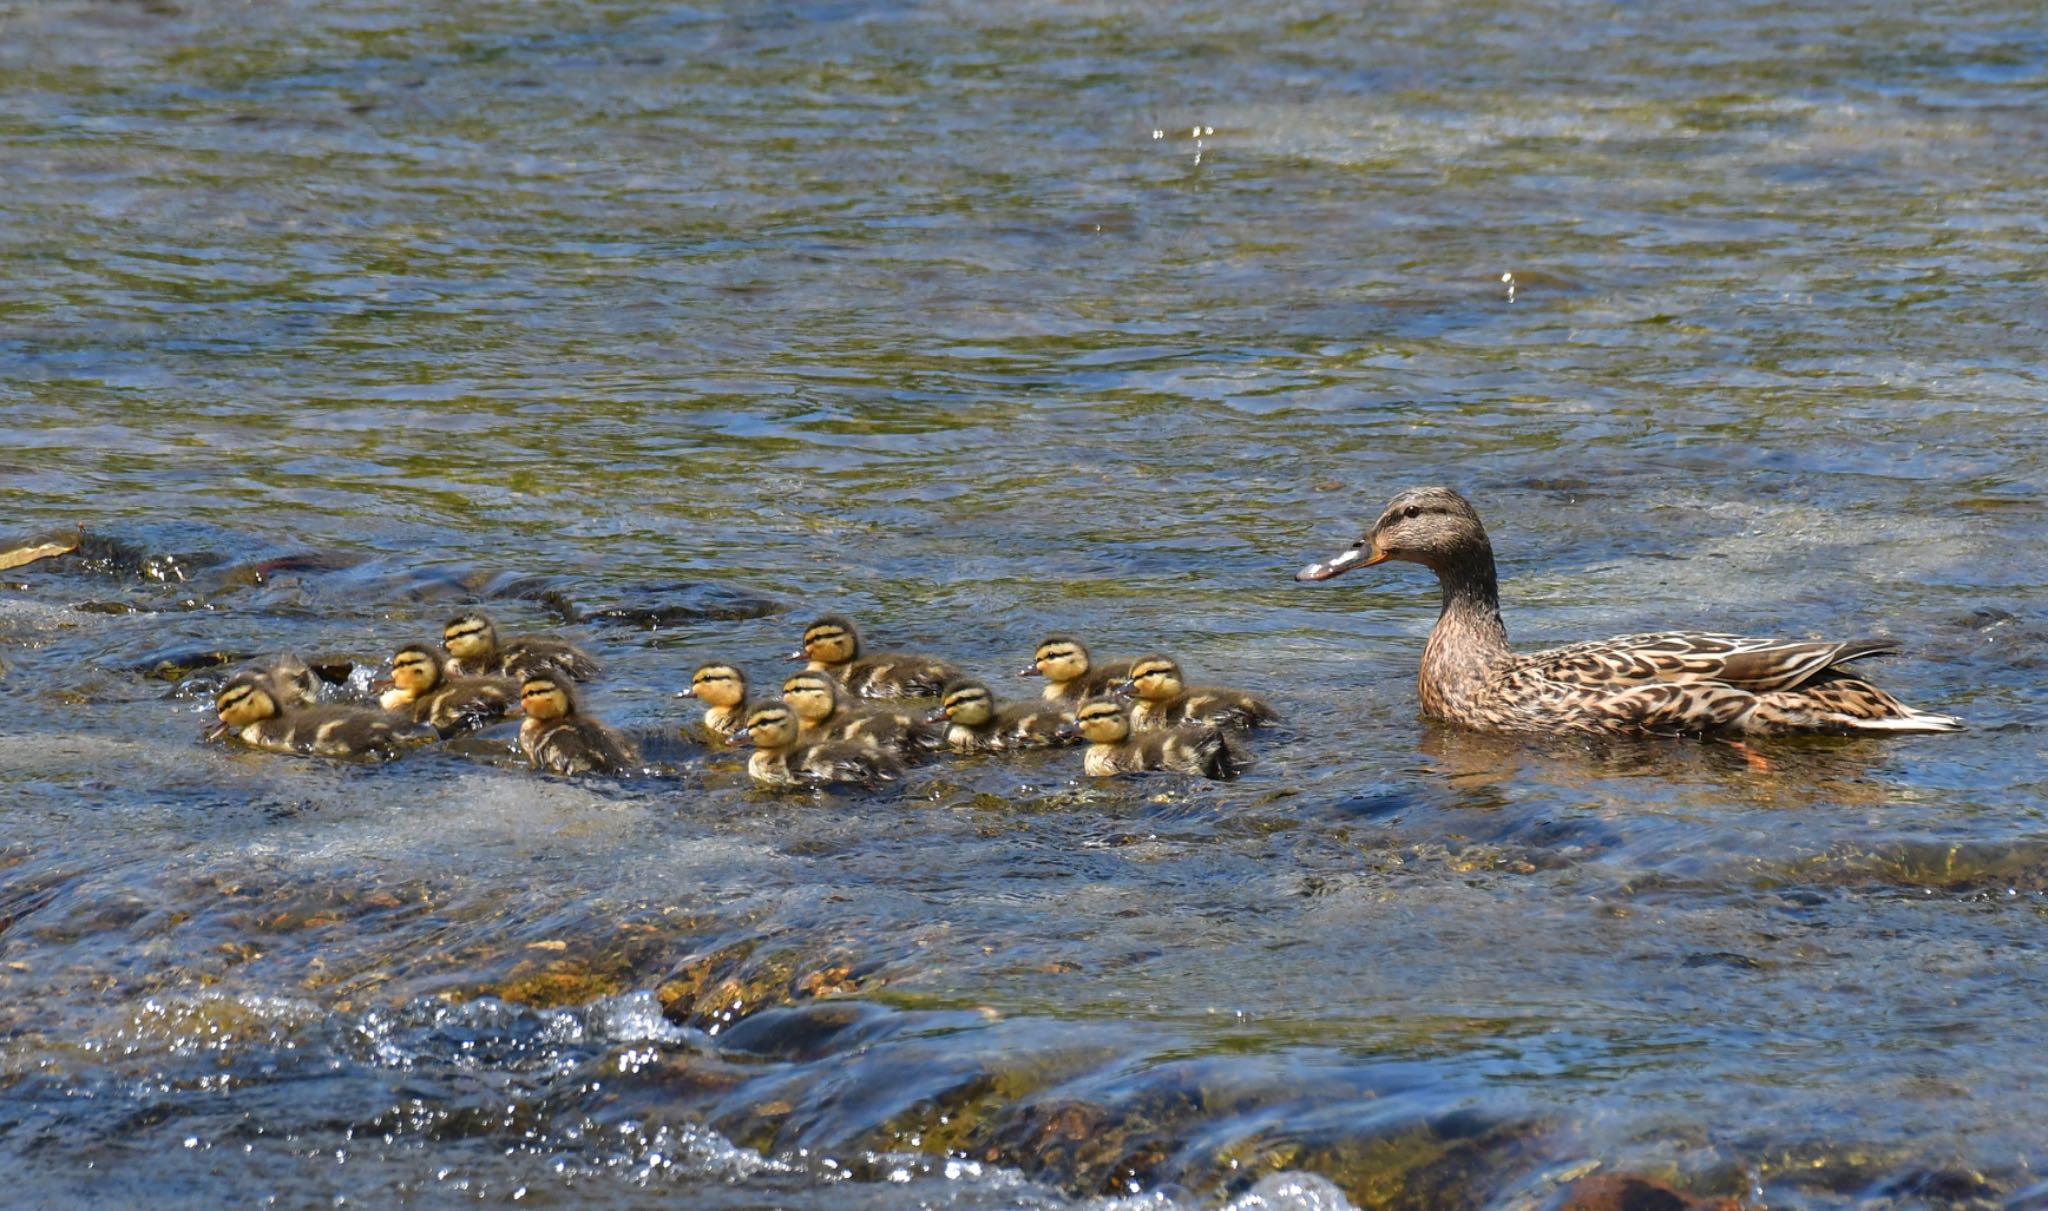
(821, 634)
(234, 696)
(1058, 651)
(963, 697)
(1151, 668)
(766, 718)
(538, 689)
(463, 628)
(708, 676)
(1100, 710)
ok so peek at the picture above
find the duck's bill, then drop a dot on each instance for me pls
(215, 732)
(1030, 671)
(1340, 563)
(690, 692)
(798, 655)
(938, 716)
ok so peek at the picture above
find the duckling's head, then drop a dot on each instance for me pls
(416, 669)
(966, 702)
(1059, 659)
(294, 680)
(1103, 721)
(717, 684)
(831, 641)
(1434, 527)
(1155, 679)
(547, 698)
(813, 696)
(247, 698)
(470, 635)
(771, 727)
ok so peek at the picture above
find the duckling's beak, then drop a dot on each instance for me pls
(1126, 689)
(1029, 670)
(686, 692)
(382, 683)
(216, 731)
(798, 655)
(1069, 730)
(937, 716)
(1342, 562)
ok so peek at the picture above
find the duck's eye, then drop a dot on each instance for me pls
(1412, 512)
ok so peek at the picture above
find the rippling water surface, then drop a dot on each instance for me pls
(669, 327)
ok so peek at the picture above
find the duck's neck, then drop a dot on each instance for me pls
(1469, 638)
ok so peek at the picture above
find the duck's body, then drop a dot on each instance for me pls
(422, 691)
(722, 688)
(252, 709)
(831, 645)
(1113, 748)
(1162, 700)
(1071, 677)
(781, 759)
(1666, 682)
(475, 649)
(824, 715)
(559, 738)
(976, 723)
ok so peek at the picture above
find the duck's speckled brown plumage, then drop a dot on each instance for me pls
(1670, 682)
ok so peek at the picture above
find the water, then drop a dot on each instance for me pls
(670, 328)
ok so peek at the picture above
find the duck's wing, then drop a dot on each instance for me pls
(1693, 658)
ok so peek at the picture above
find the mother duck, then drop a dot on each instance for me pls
(1670, 682)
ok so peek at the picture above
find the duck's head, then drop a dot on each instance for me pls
(1435, 527)
(547, 698)
(1099, 721)
(813, 696)
(829, 642)
(470, 635)
(416, 669)
(966, 702)
(1059, 659)
(247, 698)
(1154, 679)
(771, 727)
(717, 684)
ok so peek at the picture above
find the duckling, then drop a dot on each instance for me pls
(1163, 701)
(823, 714)
(475, 650)
(1070, 679)
(833, 646)
(975, 724)
(252, 709)
(780, 759)
(1112, 748)
(557, 737)
(722, 688)
(453, 705)
(296, 683)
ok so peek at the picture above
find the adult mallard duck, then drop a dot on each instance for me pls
(1671, 682)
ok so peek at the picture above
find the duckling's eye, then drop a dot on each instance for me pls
(1412, 512)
